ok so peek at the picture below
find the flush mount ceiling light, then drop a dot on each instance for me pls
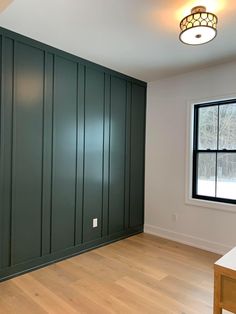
(199, 27)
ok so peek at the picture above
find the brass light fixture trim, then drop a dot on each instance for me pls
(199, 27)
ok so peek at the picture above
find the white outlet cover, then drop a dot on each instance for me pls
(95, 223)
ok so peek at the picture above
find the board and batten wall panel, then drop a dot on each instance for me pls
(64, 153)
(93, 153)
(117, 155)
(137, 155)
(71, 150)
(6, 150)
(47, 153)
(27, 152)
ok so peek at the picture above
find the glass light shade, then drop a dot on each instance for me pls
(199, 27)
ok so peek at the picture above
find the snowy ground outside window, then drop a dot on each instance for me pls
(225, 189)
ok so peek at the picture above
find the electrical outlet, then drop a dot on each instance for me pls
(95, 223)
(174, 217)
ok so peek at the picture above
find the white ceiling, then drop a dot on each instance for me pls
(136, 37)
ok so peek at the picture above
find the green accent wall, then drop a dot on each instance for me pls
(72, 141)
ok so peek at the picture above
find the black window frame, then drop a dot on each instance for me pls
(196, 151)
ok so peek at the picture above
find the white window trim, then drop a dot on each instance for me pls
(189, 157)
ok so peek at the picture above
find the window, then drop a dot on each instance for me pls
(214, 151)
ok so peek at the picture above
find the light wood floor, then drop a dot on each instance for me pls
(141, 274)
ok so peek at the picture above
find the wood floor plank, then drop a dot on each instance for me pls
(43, 296)
(14, 300)
(141, 274)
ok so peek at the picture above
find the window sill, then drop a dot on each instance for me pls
(211, 204)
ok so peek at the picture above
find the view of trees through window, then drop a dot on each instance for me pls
(215, 151)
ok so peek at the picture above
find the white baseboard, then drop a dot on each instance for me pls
(187, 239)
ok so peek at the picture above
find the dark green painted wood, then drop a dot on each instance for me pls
(71, 149)
(127, 154)
(80, 155)
(6, 150)
(64, 153)
(27, 152)
(137, 155)
(117, 155)
(2, 183)
(106, 153)
(1, 155)
(93, 150)
(47, 153)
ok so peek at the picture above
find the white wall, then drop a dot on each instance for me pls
(166, 159)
